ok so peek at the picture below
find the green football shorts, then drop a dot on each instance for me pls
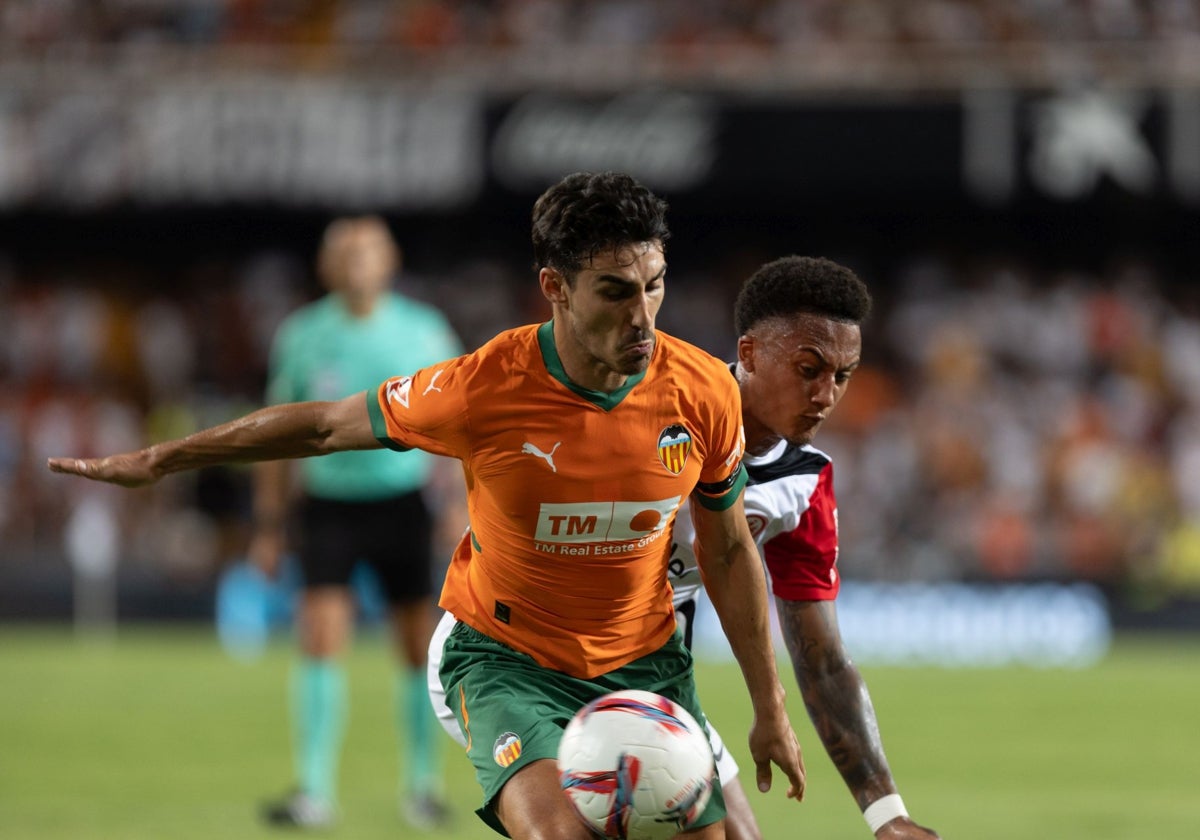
(513, 711)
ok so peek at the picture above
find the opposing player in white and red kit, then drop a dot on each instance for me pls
(798, 321)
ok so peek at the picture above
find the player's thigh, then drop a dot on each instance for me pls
(712, 831)
(531, 804)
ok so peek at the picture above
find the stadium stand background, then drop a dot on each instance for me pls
(1018, 181)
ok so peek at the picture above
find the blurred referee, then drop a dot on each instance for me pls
(363, 506)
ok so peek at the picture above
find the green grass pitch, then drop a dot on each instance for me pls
(158, 734)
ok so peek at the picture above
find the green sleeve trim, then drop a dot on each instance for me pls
(725, 501)
(379, 424)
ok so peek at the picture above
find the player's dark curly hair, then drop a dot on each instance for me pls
(792, 285)
(587, 213)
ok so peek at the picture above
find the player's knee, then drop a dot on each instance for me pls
(567, 828)
(532, 806)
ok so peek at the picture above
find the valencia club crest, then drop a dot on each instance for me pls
(674, 444)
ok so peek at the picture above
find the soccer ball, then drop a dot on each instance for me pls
(636, 766)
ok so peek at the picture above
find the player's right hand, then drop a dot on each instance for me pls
(130, 470)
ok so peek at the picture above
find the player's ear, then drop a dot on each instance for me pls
(554, 285)
(745, 352)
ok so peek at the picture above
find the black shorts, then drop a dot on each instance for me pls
(392, 535)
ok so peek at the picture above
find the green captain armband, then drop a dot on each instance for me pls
(723, 494)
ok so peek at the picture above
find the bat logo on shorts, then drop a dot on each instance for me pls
(507, 749)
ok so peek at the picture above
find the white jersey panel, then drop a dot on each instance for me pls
(774, 506)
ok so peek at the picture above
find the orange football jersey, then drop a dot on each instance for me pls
(571, 493)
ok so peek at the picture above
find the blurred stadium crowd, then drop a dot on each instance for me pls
(426, 24)
(1011, 422)
(1016, 419)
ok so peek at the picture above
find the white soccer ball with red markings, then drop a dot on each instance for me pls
(636, 766)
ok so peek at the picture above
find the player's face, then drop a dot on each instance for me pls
(604, 319)
(793, 371)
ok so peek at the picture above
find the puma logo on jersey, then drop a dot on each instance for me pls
(432, 386)
(548, 457)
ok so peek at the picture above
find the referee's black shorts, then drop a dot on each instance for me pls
(393, 535)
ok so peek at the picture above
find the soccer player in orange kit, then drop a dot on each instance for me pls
(579, 438)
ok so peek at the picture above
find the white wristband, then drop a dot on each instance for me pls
(884, 810)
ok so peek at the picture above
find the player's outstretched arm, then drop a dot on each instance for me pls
(840, 707)
(291, 430)
(734, 579)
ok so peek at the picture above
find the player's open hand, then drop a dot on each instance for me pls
(130, 470)
(776, 743)
(903, 828)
